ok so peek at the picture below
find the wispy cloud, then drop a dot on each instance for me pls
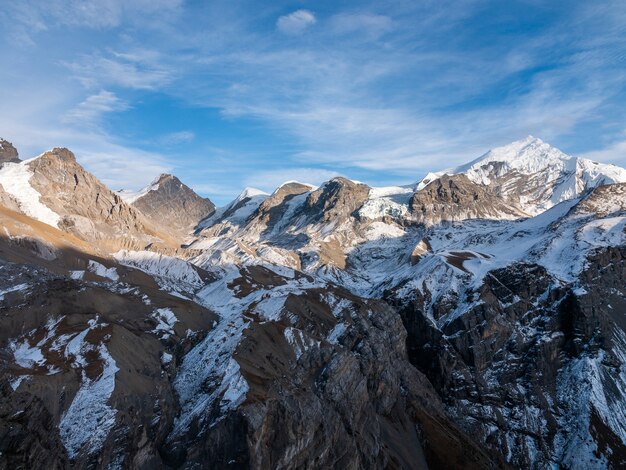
(365, 23)
(296, 22)
(93, 107)
(175, 138)
(141, 70)
(615, 153)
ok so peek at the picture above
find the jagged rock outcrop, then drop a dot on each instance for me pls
(454, 198)
(604, 201)
(170, 204)
(107, 377)
(272, 209)
(529, 368)
(327, 385)
(89, 375)
(338, 199)
(8, 153)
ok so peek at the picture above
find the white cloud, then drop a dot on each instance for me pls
(296, 22)
(177, 138)
(90, 13)
(142, 70)
(120, 167)
(367, 23)
(93, 107)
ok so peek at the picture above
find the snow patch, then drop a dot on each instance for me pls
(102, 271)
(15, 179)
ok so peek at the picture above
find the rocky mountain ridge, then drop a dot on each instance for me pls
(533, 175)
(469, 321)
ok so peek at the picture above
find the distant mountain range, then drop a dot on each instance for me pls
(475, 319)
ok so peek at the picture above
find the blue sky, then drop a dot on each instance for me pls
(228, 94)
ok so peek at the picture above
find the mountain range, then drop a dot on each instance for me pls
(474, 319)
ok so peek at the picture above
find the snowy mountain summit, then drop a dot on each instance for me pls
(533, 175)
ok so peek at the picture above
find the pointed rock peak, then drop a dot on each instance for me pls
(337, 198)
(59, 154)
(163, 177)
(429, 178)
(171, 204)
(8, 153)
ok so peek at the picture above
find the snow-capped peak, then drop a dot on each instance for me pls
(533, 175)
(129, 196)
(249, 193)
(527, 156)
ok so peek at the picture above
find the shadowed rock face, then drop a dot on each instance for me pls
(330, 387)
(91, 381)
(452, 198)
(8, 153)
(98, 390)
(173, 205)
(517, 368)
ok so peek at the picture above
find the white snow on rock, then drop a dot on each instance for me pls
(27, 356)
(173, 275)
(17, 288)
(88, 420)
(299, 341)
(378, 230)
(102, 271)
(130, 196)
(165, 322)
(14, 178)
(31, 356)
(238, 210)
(209, 374)
(552, 175)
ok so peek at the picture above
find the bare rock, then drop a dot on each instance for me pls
(87, 207)
(174, 206)
(453, 198)
(8, 153)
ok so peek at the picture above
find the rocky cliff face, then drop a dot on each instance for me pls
(260, 370)
(8, 153)
(532, 368)
(170, 204)
(454, 198)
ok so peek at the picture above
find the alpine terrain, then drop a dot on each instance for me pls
(474, 319)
